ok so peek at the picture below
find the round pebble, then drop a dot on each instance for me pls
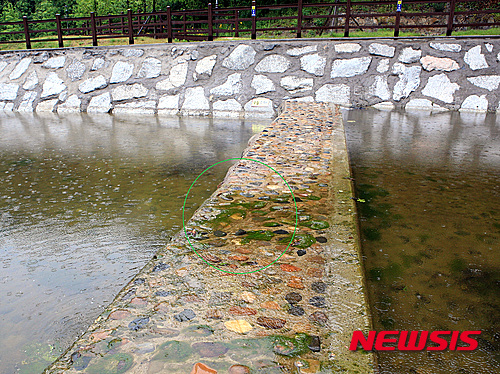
(219, 233)
(318, 287)
(318, 301)
(296, 310)
(280, 232)
(240, 232)
(185, 315)
(321, 239)
(315, 344)
(239, 369)
(318, 317)
(301, 252)
(293, 297)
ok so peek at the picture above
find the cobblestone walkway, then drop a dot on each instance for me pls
(292, 312)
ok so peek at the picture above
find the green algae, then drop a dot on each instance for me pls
(313, 197)
(112, 364)
(258, 235)
(271, 224)
(315, 224)
(173, 351)
(225, 214)
(290, 347)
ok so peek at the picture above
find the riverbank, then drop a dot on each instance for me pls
(295, 306)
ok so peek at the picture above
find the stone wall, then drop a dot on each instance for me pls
(251, 78)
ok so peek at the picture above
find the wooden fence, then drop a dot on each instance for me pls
(299, 18)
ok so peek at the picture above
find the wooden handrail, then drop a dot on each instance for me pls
(198, 24)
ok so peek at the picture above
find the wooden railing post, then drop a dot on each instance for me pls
(210, 23)
(130, 27)
(398, 18)
(93, 29)
(254, 20)
(122, 22)
(347, 17)
(59, 31)
(26, 32)
(299, 19)
(451, 15)
(236, 24)
(184, 19)
(169, 24)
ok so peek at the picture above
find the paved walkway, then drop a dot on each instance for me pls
(188, 312)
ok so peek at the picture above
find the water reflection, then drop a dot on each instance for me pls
(430, 224)
(84, 203)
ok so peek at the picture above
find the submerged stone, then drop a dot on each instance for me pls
(174, 351)
(271, 323)
(138, 323)
(293, 297)
(209, 349)
(185, 315)
(318, 301)
(111, 364)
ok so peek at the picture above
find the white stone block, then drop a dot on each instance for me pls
(129, 91)
(151, 68)
(423, 104)
(205, 66)
(53, 85)
(262, 84)
(409, 80)
(440, 87)
(20, 68)
(71, 105)
(56, 62)
(299, 51)
(475, 59)
(100, 104)
(313, 64)
(380, 88)
(31, 81)
(446, 47)
(195, 102)
(8, 91)
(409, 55)
(350, 67)
(121, 72)
(232, 86)
(273, 64)
(334, 93)
(26, 105)
(474, 103)
(241, 58)
(296, 84)
(347, 48)
(488, 82)
(381, 50)
(228, 108)
(46, 106)
(135, 107)
(259, 108)
(75, 70)
(92, 84)
(383, 65)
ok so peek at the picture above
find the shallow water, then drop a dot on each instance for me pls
(430, 224)
(85, 201)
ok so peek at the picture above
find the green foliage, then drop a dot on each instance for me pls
(10, 14)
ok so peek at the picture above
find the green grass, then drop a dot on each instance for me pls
(262, 36)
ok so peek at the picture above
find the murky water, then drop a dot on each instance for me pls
(430, 225)
(85, 201)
